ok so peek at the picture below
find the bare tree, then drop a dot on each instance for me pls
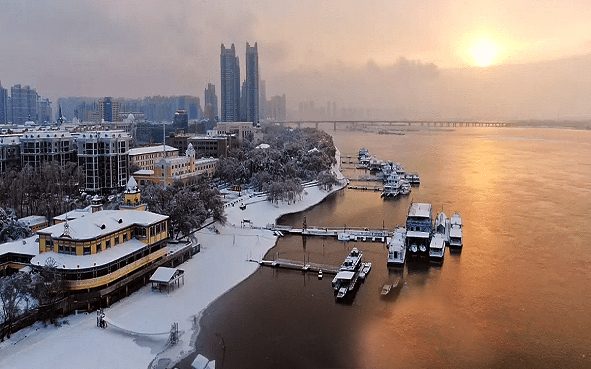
(14, 291)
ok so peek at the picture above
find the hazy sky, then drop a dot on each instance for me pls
(440, 58)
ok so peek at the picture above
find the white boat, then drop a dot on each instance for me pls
(365, 268)
(442, 226)
(386, 289)
(344, 282)
(455, 232)
(397, 247)
(375, 163)
(404, 187)
(320, 275)
(352, 261)
(437, 247)
(391, 185)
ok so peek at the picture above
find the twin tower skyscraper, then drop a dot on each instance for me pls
(239, 105)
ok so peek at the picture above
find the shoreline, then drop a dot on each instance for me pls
(221, 265)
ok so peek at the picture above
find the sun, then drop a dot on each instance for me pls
(483, 53)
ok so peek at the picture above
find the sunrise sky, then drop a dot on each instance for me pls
(439, 58)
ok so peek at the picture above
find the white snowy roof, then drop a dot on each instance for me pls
(103, 222)
(74, 214)
(263, 146)
(33, 220)
(27, 246)
(131, 185)
(66, 261)
(163, 274)
(455, 231)
(345, 275)
(150, 149)
(419, 209)
(144, 172)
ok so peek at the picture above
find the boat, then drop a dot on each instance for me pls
(386, 289)
(352, 261)
(363, 153)
(365, 268)
(413, 178)
(391, 185)
(344, 282)
(397, 247)
(442, 226)
(437, 248)
(404, 187)
(419, 227)
(320, 275)
(375, 163)
(455, 232)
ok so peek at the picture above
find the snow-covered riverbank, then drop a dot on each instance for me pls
(221, 264)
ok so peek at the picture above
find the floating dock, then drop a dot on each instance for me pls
(343, 234)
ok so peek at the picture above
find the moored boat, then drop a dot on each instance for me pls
(442, 226)
(365, 268)
(397, 247)
(437, 248)
(455, 232)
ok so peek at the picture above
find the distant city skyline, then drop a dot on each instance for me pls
(440, 59)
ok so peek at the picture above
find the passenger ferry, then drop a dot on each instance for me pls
(404, 187)
(455, 232)
(397, 248)
(419, 227)
(437, 248)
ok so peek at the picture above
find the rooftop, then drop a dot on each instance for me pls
(27, 246)
(150, 149)
(102, 223)
(420, 209)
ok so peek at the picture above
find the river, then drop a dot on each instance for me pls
(517, 296)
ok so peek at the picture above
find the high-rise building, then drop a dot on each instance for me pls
(103, 158)
(252, 83)
(262, 100)
(277, 108)
(24, 104)
(109, 110)
(230, 82)
(3, 105)
(212, 100)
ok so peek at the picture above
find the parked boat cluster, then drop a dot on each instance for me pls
(423, 236)
(396, 180)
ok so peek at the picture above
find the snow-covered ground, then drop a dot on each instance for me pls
(221, 264)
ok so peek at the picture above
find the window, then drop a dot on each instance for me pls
(124, 237)
(117, 240)
(86, 250)
(98, 247)
(107, 244)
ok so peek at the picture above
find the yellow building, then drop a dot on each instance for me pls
(181, 168)
(102, 247)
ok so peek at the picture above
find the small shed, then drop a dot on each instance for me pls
(165, 279)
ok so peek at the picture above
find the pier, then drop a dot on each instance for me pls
(298, 265)
(343, 234)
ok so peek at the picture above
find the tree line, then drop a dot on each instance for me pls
(289, 158)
